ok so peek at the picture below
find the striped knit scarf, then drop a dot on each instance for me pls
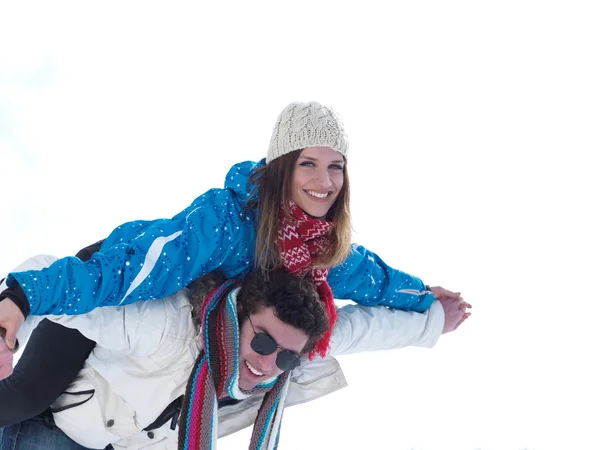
(216, 375)
(301, 242)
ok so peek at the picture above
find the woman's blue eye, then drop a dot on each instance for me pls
(312, 164)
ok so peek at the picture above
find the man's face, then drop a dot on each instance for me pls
(255, 368)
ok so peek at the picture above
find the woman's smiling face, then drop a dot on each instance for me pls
(317, 180)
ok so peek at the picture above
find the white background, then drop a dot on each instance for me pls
(473, 128)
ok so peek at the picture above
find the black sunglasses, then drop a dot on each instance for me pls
(263, 344)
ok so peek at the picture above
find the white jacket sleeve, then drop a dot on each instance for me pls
(135, 329)
(370, 328)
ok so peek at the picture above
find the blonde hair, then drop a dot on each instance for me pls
(272, 191)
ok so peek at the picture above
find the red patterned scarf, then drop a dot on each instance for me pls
(301, 242)
(216, 374)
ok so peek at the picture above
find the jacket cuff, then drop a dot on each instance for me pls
(16, 294)
(85, 254)
(437, 318)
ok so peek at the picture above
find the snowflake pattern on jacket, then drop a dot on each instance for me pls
(144, 260)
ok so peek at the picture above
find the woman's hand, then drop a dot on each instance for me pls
(440, 293)
(11, 319)
(6, 360)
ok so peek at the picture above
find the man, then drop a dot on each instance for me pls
(129, 393)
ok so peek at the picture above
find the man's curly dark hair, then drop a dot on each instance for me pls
(295, 300)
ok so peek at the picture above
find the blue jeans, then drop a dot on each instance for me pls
(37, 433)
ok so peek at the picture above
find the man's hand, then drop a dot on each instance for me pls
(6, 360)
(11, 319)
(455, 312)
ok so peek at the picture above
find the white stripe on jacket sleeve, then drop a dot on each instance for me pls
(150, 261)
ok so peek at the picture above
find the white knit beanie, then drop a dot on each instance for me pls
(302, 125)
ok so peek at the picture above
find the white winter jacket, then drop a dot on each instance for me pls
(145, 352)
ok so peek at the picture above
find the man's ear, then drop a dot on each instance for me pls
(241, 312)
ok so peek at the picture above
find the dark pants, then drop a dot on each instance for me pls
(37, 433)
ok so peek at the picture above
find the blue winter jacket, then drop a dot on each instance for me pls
(144, 260)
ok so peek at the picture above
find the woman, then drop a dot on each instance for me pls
(133, 386)
(290, 210)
